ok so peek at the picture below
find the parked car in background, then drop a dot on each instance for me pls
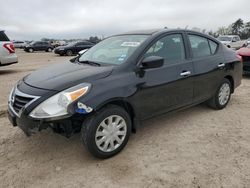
(38, 46)
(245, 55)
(73, 48)
(247, 42)
(19, 44)
(58, 43)
(231, 41)
(7, 50)
(106, 96)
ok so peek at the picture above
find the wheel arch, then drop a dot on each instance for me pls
(230, 78)
(125, 105)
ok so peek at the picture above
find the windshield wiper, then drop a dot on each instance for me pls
(90, 63)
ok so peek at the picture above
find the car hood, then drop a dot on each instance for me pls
(64, 75)
(244, 52)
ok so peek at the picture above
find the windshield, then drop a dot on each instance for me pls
(71, 44)
(114, 50)
(224, 38)
(33, 42)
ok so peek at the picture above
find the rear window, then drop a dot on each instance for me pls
(201, 46)
(3, 36)
(213, 46)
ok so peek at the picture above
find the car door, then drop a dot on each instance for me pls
(39, 46)
(208, 64)
(44, 46)
(77, 48)
(82, 45)
(170, 86)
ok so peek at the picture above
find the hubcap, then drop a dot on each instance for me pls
(224, 94)
(111, 133)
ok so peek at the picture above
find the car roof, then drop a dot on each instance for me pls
(157, 31)
(228, 35)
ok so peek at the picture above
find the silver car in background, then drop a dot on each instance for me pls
(19, 44)
(7, 50)
(231, 41)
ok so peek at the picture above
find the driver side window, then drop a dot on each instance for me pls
(170, 47)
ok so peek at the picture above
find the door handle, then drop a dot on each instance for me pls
(221, 65)
(185, 73)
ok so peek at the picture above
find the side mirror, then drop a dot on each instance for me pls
(233, 40)
(152, 62)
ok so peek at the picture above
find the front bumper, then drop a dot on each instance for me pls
(29, 126)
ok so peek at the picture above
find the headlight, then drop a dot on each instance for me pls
(57, 105)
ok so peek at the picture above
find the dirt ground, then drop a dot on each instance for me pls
(197, 147)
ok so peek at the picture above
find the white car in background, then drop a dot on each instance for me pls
(231, 41)
(7, 50)
(19, 44)
(247, 42)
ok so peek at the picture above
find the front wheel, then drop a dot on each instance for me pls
(49, 50)
(31, 50)
(222, 95)
(69, 53)
(107, 131)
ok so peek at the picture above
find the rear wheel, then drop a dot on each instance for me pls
(31, 50)
(106, 132)
(49, 50)
(69, 53)
(222, 95)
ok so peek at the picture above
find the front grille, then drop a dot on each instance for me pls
(20, 102)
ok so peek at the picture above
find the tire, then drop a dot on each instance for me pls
(215, 101)
(31, 50)
(100, 146)
(61, 53)
(69, 53)
(49, 50)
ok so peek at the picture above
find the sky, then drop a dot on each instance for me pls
(66, 19)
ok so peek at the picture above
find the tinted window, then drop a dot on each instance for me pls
(170, 47)
(213, 46)
(3, 36)
(199, 46)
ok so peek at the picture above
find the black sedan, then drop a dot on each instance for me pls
(38, 46)
(107, 91)
(73, 48)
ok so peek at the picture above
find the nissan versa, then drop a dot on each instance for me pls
(107, 91)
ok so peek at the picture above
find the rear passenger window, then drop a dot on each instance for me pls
(213, 46)
(3, 36)
(170, 47)
(199, 45)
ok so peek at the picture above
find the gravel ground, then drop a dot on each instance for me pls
(197, 147)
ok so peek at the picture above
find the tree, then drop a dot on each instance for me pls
(224, 31)
(237, 26)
